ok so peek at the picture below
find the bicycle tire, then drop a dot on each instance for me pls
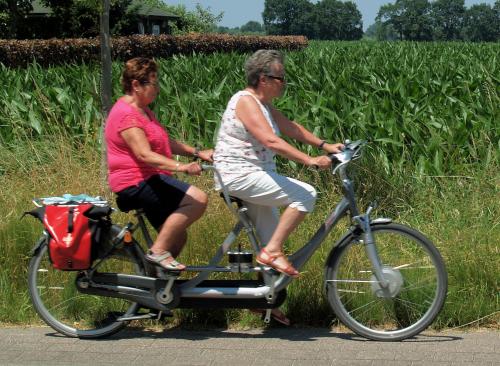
(58, 302)
(415, 270)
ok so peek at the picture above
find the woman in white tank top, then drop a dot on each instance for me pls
(247, 141)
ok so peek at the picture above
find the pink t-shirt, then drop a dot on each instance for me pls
(124, 169)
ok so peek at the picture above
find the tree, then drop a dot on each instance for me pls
(106, 82)
(80, 18)
(288, 17)
(496, 9)
(381, 32)
(338, 20)
(328, 19)
(448, 18)
(410, 18)
(481, 23)
(201, 20)
(391, 15)
(252, 27)
(11, 13)
(352, 21)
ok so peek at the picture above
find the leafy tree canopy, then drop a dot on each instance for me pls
(80, 18)
(12, 13)
(201, 20)
(422, 20)
(481, 23)
(325, 19)
(251, 27)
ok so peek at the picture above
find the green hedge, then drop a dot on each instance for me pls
(19, 53)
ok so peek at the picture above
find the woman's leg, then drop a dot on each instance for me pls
(172, 235)
(289, 220)
(273, 190)
(265, 220)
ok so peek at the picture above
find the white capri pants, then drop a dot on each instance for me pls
(263, 192)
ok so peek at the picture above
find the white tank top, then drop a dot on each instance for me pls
(237, 151)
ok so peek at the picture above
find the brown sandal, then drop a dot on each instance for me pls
(271, 262)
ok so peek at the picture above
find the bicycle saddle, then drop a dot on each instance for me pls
(233, 199)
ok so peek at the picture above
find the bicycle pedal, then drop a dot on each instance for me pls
(267, 316)
(164, 274)
(270, 270)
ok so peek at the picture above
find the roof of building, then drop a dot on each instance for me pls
(39, 8)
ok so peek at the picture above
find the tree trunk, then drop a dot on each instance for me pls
(106, 96)
(14, 16)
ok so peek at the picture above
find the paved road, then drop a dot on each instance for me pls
(274, 347)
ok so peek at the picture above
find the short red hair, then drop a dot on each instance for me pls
(138, 68)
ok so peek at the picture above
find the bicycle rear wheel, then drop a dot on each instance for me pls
(56, 298)
(417, 284)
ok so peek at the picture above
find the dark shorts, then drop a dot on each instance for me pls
(158, 196)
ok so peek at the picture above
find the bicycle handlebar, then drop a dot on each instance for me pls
(352, 151)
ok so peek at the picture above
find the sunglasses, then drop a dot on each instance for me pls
(153, 83)
(280, 78)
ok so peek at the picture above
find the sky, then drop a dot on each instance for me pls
(239, 12)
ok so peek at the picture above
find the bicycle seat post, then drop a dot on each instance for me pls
(139, 214)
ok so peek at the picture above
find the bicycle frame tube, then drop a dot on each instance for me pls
(301, 256)
(348, 203)
(298, 259)
(348, 188)
(211, 267)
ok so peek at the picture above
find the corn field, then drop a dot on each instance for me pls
(434, 106)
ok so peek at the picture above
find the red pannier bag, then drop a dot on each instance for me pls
(70, 244)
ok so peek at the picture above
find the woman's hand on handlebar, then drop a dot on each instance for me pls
(206, 155)
(190, 168)
(320, 162)
(333, 148)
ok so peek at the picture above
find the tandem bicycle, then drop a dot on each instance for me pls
(384, 280)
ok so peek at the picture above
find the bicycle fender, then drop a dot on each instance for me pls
(353, 231)
(381, 220)
(44, 240)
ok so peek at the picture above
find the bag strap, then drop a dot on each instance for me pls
(71, 211)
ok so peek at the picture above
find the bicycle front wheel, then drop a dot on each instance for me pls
(417, 283)
(56, 298)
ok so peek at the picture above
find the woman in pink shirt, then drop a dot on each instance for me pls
(140, 165)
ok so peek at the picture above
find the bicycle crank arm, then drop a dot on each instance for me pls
(139, 289)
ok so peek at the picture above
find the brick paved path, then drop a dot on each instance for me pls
(274, 347)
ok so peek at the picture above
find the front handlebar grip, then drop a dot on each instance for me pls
(333, 158)
(207, 167)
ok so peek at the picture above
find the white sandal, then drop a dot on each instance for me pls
(157, 259)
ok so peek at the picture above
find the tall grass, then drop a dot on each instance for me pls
(431, 111)
(465, 229)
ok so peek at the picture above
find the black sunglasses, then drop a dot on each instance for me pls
(280, 78)
(154, 83)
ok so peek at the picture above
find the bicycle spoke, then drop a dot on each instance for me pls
(64, 307)
(361, 307)
(359, 301)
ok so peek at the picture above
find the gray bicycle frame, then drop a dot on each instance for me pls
(273, 281)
